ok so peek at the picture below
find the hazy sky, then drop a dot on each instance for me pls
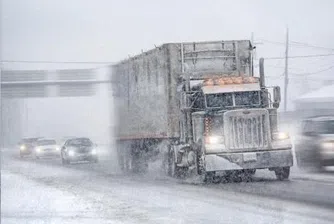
(109, 30)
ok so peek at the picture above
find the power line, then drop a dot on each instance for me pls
(316, 72)
(55, 62)
(312, 46)
(301, 56)
(108, 62)
(297, 44)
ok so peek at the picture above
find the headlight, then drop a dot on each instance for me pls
(22, 147)
(327, 145)
(214, 140)
(71, 153)
(57, 148)
(38, 149)
(280, 136)
(93, 151)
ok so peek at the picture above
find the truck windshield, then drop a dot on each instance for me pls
(247, 98)
(219, 100)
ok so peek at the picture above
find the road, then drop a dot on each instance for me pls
(46, 192)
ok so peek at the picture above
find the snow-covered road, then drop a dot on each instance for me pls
(46, 192)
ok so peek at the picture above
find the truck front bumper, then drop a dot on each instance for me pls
(249, 160)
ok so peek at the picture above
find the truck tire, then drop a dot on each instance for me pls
(210, 177)
(282, 173)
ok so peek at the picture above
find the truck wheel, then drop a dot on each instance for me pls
(250, 172)
(210, 177)
(282, 173)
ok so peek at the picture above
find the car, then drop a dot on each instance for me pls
(315, 146)
(26, 146)
(46, 148)
(78, 149)
(62, 141)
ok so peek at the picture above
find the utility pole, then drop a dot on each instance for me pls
(286, 73)
(254, 54)
(253, 45)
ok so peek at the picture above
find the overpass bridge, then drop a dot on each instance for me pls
(20, 86)
(52, 83)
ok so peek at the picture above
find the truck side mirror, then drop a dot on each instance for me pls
(183, 100)
(277, 96)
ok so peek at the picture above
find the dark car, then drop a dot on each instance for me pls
(78, 149)
(315, 146)
(26, 146)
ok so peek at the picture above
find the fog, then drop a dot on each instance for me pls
(108, 31)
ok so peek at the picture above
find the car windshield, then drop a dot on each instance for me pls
(80, 142)
(28, 140)
(326, 127)
(46, 142)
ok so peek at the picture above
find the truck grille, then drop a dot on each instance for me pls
(247, 131)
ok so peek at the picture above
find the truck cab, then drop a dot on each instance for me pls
(237, 128)
(234, 126)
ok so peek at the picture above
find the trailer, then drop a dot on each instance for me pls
(172, 98)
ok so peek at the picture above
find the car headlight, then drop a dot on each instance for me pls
(327, 145)
(93, 152)
(57, 148)
(281, 135)
(22, 147)
(38, 150)
(214, 140)
(71, 153)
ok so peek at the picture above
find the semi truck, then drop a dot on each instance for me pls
(199, 106)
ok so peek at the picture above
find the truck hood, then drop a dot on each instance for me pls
(231, 88)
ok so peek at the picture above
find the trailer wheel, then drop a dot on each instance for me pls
(124, 158)
(282, 173)
(173, 169)
(138, 163)
(120, 159)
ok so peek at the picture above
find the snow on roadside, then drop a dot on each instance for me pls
(26, 201)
